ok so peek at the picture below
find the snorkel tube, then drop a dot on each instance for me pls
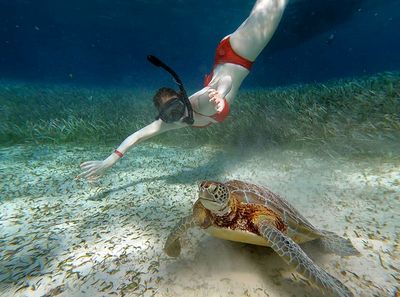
(158, 63)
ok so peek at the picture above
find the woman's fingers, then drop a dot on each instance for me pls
(79, 176)
(88, 164)
(212, 93)
(84, 164)
(90, 172)
(216, 99)
(85, 174)
(218, 102)
(93, 178)
(220, 106)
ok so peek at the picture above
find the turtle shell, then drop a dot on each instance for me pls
(251, 203)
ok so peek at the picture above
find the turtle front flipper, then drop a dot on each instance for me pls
(172, 246)
(294, 255)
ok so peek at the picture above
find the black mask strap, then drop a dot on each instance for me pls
(157, 62)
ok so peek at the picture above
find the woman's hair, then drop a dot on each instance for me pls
(163, 95)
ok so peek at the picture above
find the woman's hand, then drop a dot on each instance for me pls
(93, 170)
(216, 99)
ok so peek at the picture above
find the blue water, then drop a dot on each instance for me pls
(71, 76)
(104, 42)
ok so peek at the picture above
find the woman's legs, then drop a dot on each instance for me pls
(254, 33)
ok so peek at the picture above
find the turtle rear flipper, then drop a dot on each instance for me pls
(333, 243)
(172, 246)
(294, 255)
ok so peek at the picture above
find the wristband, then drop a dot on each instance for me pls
(118, 153)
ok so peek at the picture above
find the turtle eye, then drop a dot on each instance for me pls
(204, 185)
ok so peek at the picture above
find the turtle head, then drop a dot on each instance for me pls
(214, 196)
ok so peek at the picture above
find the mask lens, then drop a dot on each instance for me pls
(172, 111)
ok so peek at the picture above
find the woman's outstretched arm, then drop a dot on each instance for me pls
(92, 170)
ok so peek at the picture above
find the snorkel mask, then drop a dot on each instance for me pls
(174, 109)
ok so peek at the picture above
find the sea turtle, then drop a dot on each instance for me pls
(245, 212)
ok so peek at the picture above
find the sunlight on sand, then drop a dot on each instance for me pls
(64, 237)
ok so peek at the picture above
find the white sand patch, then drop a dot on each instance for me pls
(62, 237)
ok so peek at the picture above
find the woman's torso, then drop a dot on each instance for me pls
(202, 107)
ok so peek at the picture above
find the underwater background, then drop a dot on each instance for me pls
(75, 71)
(106, 42)
(317, 120)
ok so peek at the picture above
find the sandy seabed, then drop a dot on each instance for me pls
(65, 237)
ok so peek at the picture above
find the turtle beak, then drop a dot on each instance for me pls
(207, 198)
(204, 194)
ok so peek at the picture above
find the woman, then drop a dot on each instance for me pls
(233, 60)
